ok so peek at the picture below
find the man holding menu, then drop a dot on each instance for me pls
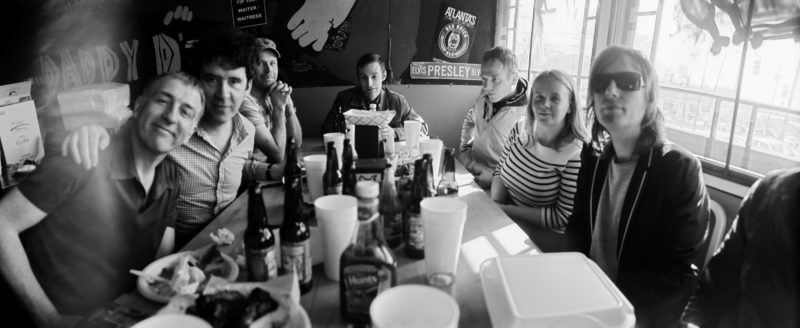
(68, 236)
(371, 71)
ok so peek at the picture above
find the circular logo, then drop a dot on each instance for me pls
(453, 40)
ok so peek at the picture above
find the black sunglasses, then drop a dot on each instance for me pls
(628, 81)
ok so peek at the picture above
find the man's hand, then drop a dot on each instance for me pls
(85, 144)
(279, 93)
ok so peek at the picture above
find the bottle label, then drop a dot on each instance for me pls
(297, 257)
(334, 190)
(262, 264)
(415, 237)
(362, 283)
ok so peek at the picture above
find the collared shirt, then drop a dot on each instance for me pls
(255, 113)
(100, 224)
(210, 178)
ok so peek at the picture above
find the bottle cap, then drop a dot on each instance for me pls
(367, 189)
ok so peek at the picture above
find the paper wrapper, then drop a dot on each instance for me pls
(284, 289)
(366, 117)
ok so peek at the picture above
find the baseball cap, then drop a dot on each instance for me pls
(266, 44)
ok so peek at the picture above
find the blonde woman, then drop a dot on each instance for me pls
(536, 178)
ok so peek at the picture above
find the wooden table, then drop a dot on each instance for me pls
(488, 232)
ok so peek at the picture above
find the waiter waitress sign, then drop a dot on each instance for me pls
(455, 35)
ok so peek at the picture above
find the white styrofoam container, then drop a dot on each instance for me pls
(100, 97)
(552, 290)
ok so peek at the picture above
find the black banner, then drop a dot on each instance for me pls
(455, 35)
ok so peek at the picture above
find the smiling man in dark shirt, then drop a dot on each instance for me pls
(68, 236)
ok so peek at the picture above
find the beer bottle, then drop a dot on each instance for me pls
(430, 187)
(339, 123)
(332, 178)
(295, 233)
(412, 222)
(348, 170)
(259, 243)
(367, 266)
(391, 210)
(447, 185)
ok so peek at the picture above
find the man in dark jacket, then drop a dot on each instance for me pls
(754, 278)
(371, 71)
(641, 206)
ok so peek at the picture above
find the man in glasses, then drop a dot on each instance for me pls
(641, 206)
(68, 236)
(501, 103)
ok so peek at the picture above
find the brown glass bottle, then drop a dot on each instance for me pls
(295, 233)
(348, 169)
(339, 123)
(447, 185)
(332, 178)
(367, 266)
(391, 210)
(259, 243)
(412, 222)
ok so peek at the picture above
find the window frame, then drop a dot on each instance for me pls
(615, 23)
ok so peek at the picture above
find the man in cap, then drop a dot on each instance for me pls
(269, 105)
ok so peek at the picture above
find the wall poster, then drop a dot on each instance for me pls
(455, 34)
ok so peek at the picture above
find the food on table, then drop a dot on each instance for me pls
(233, 309)
(222, 237)
(187, 274)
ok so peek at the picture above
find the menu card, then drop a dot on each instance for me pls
(19, 127)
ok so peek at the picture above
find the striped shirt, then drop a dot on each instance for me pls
(541, 177)
(210, 179)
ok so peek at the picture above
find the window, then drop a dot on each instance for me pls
(737, 110)
(550, 34)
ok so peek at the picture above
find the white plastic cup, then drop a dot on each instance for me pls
(315, 168)
(412, 129)
(443, 227)
(433, 147)
(408, 306)
(338, 142)
(337, 216)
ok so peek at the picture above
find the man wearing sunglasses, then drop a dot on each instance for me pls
(641, 206)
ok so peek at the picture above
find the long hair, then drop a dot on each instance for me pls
(573, 129)
(652, 125)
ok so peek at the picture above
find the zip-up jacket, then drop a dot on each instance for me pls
(662, 228)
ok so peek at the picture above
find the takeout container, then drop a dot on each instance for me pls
(366, 117)
(552, 290)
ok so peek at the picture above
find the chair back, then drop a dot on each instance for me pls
(718, 223)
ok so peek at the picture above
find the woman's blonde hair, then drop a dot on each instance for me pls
(573, 129)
